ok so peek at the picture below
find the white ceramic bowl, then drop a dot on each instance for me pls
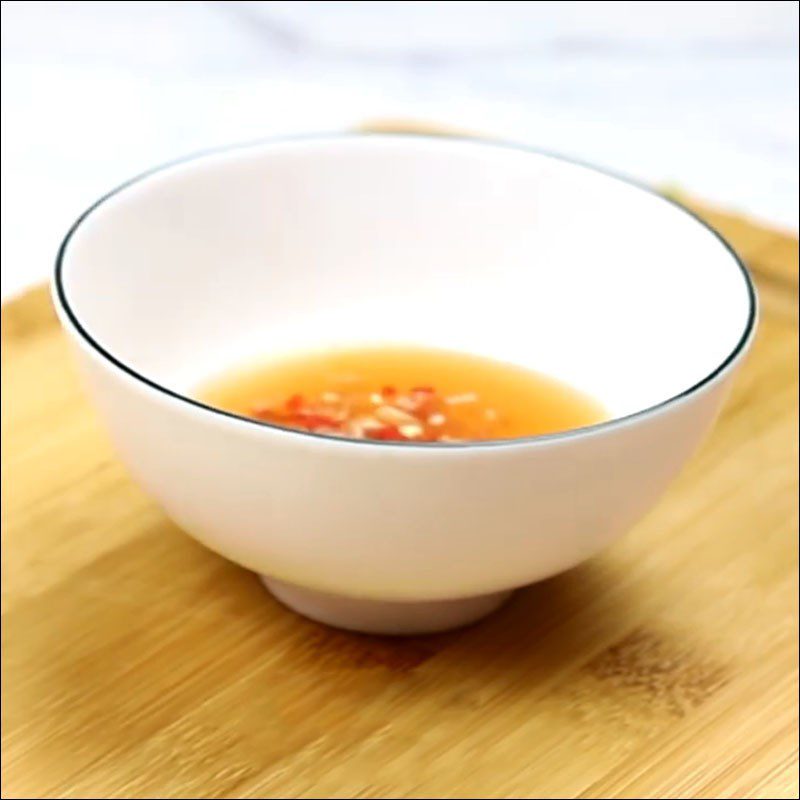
(461, 244)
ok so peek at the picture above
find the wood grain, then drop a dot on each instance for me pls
(138, 664)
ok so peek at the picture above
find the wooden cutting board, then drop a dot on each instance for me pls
(138, 664)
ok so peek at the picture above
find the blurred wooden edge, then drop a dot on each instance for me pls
(389, 125)
(26, 312)
(770, 253)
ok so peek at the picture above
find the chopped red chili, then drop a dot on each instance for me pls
(294, 403)
(416, 415)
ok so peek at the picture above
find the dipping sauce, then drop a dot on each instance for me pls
(401, 394)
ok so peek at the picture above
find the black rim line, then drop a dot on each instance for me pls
(500, 144)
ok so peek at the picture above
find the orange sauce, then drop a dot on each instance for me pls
(403, 394)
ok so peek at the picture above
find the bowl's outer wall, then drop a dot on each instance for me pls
(398, 522)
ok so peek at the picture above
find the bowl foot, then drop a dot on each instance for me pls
(384, 617)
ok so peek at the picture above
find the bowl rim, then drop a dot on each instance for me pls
(63, 304)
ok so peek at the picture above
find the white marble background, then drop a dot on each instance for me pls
(703, 94)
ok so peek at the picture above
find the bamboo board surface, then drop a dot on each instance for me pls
(138, 664)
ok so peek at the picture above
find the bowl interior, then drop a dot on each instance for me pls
(459, 244)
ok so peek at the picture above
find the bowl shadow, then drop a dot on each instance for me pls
(146, 630)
